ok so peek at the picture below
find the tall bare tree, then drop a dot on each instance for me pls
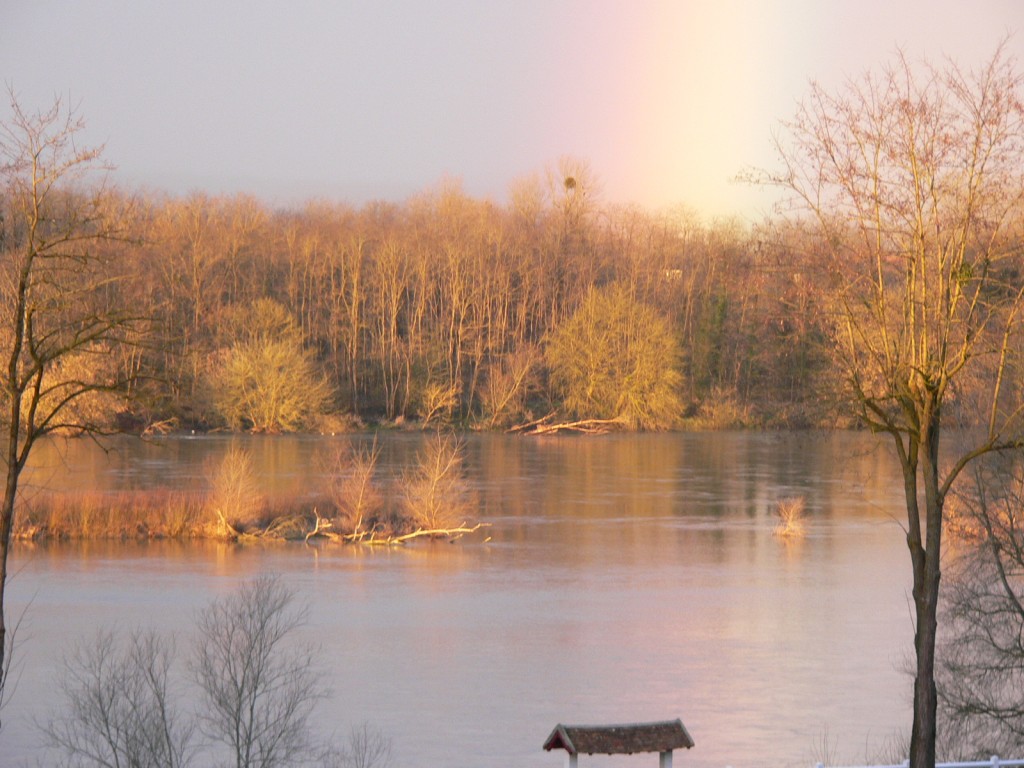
(56, 282)
(981, 645)
(258, 688)
(912, 183)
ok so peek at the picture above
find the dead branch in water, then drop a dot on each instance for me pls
(375, 536)
(164, 427)
(519, 429)
(435, 533)
(322, 527)
(546, 426)
(227, 530)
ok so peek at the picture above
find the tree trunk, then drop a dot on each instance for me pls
(922, 737)
(926, 596)
(6, 529)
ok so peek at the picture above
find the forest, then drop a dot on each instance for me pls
(448, 310)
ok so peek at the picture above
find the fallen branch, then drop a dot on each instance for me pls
(228, 530)
(583, 426)
(524, 428)
(164, 427)
(321, 528)
(451, 534)
(287, 528)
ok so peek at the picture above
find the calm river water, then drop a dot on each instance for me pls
(626, 578)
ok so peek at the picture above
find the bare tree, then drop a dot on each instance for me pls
(436, 498)
(7, 687)
(911, 184)
(981, 652)
(389, 307)
(55, 286)
(368, 747)
(354, 489)
(119, 709)
(508, 383)
(259, 685)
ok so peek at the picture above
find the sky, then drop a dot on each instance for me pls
(665, 101)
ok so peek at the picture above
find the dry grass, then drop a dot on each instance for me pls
(790, 512)
(150, 514)
(154, 514)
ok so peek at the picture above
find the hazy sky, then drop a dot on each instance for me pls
(293, 99)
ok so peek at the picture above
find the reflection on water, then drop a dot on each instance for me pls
(627, 578)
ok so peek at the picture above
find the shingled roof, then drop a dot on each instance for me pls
(619, 739)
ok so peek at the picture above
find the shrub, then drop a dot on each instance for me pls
(235, 498)
(434, 491)
(790, 512)
(507, 385)
(616, 358)
(267, 381)
(353, 490)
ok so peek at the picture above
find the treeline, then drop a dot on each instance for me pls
(444, 310)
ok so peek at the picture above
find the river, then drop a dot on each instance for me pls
(624, 578)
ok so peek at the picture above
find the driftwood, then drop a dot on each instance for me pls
(228, 530)
(547, 426)
(321, 528)
(375, 537)
(164, 427)
(435, 533)
(287, 528)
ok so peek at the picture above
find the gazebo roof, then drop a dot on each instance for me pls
(619, 739)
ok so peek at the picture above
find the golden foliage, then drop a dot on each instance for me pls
(267, 381)
(616, 358)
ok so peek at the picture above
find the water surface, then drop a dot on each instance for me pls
(626, 578)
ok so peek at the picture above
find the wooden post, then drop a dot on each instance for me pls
(571, 760)
(665, 759)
